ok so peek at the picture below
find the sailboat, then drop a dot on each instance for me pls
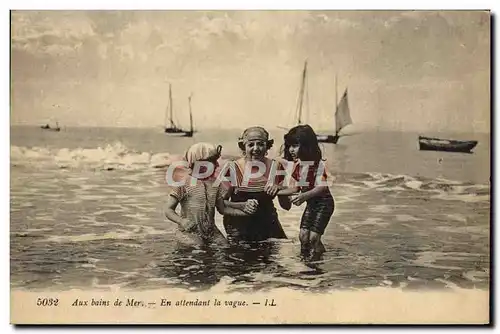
(342, 113)
(173, 129)
(47, 127)
(342, 118)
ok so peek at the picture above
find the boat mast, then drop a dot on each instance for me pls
(167, 110)
(190, 113)
(171, 105)
(301, 96)
(336, 104)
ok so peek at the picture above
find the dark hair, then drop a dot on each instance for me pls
(305, 136)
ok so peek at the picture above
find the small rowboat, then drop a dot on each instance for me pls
(447, 145)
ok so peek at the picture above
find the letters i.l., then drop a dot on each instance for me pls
(269, 302)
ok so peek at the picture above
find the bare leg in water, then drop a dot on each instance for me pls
(305, 247)
(316, 244)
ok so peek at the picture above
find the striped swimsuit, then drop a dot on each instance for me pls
(263, 224)
(198, 204)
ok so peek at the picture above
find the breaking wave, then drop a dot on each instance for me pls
(109, 157)
(433, 188)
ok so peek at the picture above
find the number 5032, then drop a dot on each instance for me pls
(47, 302)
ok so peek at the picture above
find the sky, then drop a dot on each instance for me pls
(404, 70)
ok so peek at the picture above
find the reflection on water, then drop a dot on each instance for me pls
(204, 267)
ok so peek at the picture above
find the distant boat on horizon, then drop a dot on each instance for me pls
(172, 128)
(446, 145)
(47, 127)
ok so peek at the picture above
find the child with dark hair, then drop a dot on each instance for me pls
(301, 146)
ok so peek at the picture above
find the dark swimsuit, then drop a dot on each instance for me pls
(317, 214)
(320, 209)
(263, 224)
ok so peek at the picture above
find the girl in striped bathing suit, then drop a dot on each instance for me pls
(301, 145)
(198, 198)
(264, 223)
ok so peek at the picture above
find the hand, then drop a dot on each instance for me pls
(271, 189)
(299, 199)
(251, 206)
(186, 225)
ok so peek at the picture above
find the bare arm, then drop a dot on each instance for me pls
(285, 193)
(170, 207)
(288, 191)
(170, 213)
(228, 210)
(229, 204)
(314, 192)
(318, 190)
(234, 205)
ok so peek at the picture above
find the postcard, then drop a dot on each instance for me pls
(250, 167)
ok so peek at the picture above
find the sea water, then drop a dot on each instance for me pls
(86, 212)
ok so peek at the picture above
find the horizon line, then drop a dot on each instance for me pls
(318, 131)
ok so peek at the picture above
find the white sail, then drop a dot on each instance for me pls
(342, 115)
